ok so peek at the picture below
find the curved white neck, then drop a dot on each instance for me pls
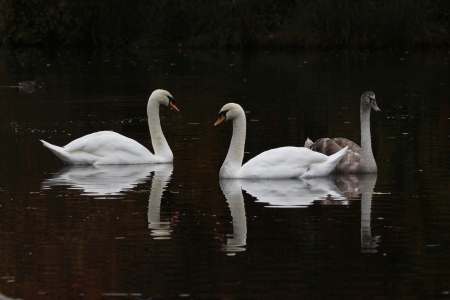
(233, 162)
(160, 145)
(367, 163)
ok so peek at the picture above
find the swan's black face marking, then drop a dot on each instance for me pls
(172, 103)
(373, 103)
(222, 116)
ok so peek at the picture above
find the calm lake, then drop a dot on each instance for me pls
(178, 231)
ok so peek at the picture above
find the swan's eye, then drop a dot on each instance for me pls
(371, 99)
(223, 113)
(171, 99)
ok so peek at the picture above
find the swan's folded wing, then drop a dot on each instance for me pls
(105, 143)
(81, 143)
(284, 162)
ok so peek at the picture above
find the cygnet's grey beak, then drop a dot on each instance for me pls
(375, 106)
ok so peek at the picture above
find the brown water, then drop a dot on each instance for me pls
(178, 232)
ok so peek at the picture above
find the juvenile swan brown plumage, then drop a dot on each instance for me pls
(357, 159)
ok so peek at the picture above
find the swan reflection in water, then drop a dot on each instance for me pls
(291, 193)
(296, 194)
(111, 181)
(100, 181)
(276, 192)
(160, 229)
(353, 186)
(235, 242)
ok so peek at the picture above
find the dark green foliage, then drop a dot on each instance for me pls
(225, 24)
(71, 23)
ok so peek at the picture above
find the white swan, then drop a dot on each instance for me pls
(284, 162)
(357, 159)
(111, 148)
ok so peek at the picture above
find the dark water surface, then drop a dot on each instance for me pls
(178, 232)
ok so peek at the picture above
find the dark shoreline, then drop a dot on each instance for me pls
(231, 25)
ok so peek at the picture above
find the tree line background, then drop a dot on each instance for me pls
(237, 24)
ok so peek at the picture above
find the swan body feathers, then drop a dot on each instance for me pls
(109, 148)
(357, 159)
(284, 162)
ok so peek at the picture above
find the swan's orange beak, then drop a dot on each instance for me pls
(219, 120)
(171, 104)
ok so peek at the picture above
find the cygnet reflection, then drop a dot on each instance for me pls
(100, 181)
(353, 185)
(236, 241)
(294, 193)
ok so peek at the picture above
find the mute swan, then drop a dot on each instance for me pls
(111, 148)
(284, 162)
(357, 159)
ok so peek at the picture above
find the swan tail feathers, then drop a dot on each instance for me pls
(338, 155)
(58, 151)
(326, 167)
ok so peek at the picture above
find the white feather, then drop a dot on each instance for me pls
(284, 162)
(109, 148)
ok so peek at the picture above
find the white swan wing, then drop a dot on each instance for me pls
(104, 147)
(107, 147)
(81, 142)
(111, 148)
(284, 162)
(101, 143)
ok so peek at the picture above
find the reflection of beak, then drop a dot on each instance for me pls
(375, 106)
(219, 120)
(171, 104)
